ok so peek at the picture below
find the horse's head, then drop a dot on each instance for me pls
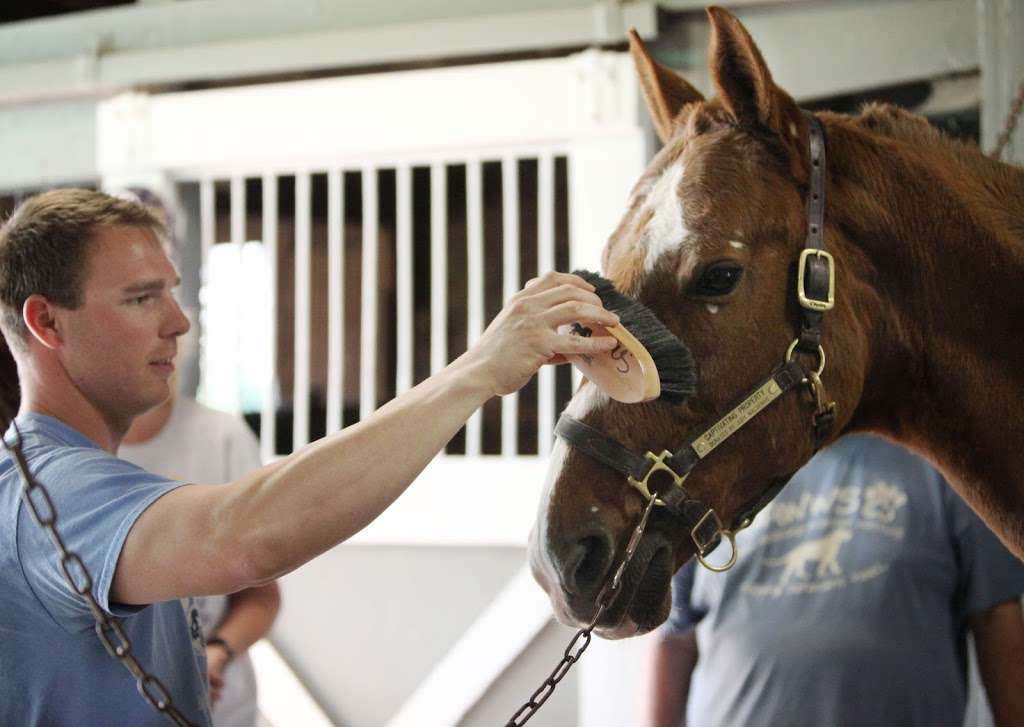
(710, 244)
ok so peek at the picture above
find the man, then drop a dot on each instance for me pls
(88, 311)
(848, 607)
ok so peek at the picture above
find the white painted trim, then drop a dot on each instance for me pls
(369, 297)
(510, 286)
(91, 71)
(495, 639)
(268, 421)
(283, 699)
(303, 309)
(335, 297)
(438, 267)
(404, 279)
(493, 109)
(545, 263)
(474, 284)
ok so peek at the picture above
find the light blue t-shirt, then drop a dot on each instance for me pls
(53, 669)
(849, 602)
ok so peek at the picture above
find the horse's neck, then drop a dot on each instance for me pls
(945, 253)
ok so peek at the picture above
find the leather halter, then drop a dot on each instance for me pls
(815, 294)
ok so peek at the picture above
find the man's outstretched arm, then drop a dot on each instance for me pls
(205, 539)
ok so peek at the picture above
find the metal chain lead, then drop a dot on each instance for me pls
(108, 630)
(1009, 125)
(581, 640)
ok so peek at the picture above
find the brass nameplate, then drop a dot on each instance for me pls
(744, 411)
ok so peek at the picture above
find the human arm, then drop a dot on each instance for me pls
(673, 659)
(274, 519)
(999, 642)
(249, 616)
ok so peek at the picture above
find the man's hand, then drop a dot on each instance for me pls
(523, 336)
(217, 658)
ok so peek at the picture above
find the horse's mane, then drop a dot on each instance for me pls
(902, 125)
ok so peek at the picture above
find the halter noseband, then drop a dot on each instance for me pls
(816, 295)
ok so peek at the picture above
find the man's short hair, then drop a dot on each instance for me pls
(44, 248)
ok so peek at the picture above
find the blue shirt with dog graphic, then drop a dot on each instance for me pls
(849, 603)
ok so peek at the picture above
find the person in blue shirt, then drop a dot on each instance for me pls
(88, 310)
(849, 606)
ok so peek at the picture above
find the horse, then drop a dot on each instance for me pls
(911, 330)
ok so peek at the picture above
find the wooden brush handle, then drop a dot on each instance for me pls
(626, 374)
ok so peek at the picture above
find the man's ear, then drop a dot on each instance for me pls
(40, 318)
(664, 90)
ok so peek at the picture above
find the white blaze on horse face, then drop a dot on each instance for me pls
(587, 399)
(667, 229)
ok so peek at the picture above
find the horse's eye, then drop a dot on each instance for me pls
(718, 280)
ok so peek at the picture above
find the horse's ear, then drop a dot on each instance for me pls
(664, 90)
(743, 81)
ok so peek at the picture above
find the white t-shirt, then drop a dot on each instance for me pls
(205, 446)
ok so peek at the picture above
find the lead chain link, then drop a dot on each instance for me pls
(108, 630)
(1009, 124)
(581, 640)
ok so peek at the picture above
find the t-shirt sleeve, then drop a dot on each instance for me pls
(683, 616)
(989, 574)
(97, 498)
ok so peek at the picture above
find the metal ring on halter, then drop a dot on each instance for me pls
(731, 537)
(821, 355)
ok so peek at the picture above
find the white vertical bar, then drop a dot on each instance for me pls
(510, 285)
(368, 319)
(404, 279)
(438, 267)
(335, 299)
(207, 231)
(545, 263)
(268, 419)
(303, 245)
(475, 275)
(574, 264)
(238, 240)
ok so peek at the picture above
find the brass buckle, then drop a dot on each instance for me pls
(658, 465)
(801, 292)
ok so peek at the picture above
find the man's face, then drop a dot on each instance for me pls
(119, 346)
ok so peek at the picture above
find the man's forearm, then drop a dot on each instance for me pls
(672, 662)
(286, 514)
(999, 641)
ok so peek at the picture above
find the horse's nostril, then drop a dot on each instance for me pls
(586, 570)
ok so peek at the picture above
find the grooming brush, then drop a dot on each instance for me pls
(649, 362)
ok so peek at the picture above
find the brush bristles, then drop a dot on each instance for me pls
(673, 359)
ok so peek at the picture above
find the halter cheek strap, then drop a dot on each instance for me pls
(816, 295)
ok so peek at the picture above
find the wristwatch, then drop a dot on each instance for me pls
(218, 641)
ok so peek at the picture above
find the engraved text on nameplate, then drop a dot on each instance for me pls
(736, 418)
